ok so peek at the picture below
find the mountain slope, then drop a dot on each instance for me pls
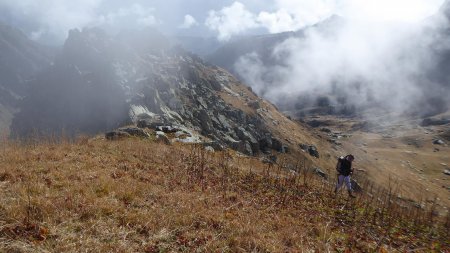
(20, 59)
(100, 82)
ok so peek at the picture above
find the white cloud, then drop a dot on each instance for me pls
(291, 15)
(136, 14)
(189, 22)
(56, 17)
(276, 22)
(389, 10)
(231, 20)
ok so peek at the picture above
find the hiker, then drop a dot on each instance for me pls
(345, 170)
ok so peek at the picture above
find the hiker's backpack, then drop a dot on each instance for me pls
(339, 164)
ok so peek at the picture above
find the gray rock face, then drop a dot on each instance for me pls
(277, 145)
(103, 82)
(147, 121)
(265, 143)
(251, 144)
(311, 149)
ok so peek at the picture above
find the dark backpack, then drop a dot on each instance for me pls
(344, 167)
(339, 164)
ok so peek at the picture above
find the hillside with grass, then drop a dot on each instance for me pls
(141, 195)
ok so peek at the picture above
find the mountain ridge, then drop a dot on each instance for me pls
(100, 82)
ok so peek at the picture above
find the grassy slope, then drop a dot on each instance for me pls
(142, 196)
(402, 155)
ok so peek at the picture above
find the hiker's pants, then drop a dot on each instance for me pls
(341, 180)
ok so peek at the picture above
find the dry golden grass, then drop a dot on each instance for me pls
(135, 195)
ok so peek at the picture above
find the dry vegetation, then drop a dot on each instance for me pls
(141, 196)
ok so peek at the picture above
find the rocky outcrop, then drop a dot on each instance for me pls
(126, 132)
(99, 83)
(310, 149)
(116, 135)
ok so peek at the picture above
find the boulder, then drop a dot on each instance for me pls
(277, 145)
(320, 173)
(265, 143)
(209, 149)
(214, 145)
(161, 137)
(167, 129)
(247, 148)
(325, 130)
(269, 160)
(438, 142)
(303, 147)
(134, 131)
(447, 172)
(205, 121)
(254, 105)
(116, 135)
(149, 123)
(244, 135)
(312, 150)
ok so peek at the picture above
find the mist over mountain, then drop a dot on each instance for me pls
(201, 46)
(348, 66)
(20, 59)
(100, 82)
(330, 64)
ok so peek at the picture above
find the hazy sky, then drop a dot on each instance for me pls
(48, 20)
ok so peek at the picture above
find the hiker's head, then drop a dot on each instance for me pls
(350, 158)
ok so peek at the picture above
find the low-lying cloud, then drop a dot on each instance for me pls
(368, 62)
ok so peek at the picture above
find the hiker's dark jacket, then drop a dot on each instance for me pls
(345, 167)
